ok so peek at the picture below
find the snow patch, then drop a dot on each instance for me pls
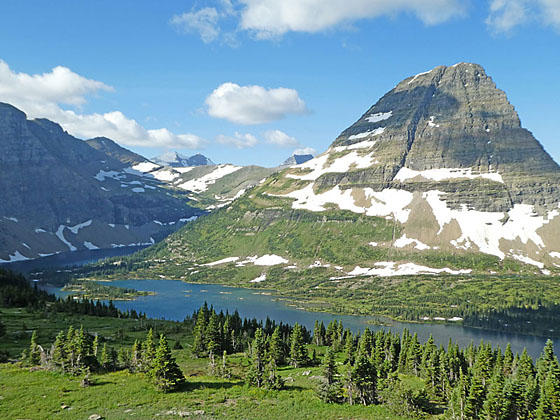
(201, 184)
(138, 190)
(404, 241)
(380, 116)
(486, 229)
(75, 229)
(262, 277)
(342, 164)
(388, 269)
(60, 235)
(369, 133)
(13, 219)
(89, 245)
(418, 75)
(16, 257)
(222, 261)
(440, 174)
(145, 167)
(39, 230)
(103, 175)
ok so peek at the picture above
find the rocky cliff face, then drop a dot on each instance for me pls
(444, 155)
(59, 193)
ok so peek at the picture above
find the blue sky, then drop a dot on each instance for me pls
(193, 75)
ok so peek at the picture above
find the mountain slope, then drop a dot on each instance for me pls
(60, 194)
(438, 177)
(110, 148)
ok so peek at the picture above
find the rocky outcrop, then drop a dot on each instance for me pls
(444, 154)
(60, 193)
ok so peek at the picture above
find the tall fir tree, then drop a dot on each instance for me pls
(165, 372)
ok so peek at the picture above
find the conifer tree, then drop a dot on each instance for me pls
(330, 389)
(212, 334)
(365, 380)
(495, 404)
(257, 367)
(149, 352)
(298, 350)
(349, 349)
(199, 345)
(549, 399)
(165, 372)
(34, 350)
(58, 352)
(276, 349)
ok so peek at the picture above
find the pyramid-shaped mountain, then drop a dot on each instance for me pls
(438, 177)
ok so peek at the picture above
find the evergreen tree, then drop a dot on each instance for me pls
(495, 404)
(165, 372)
(365, 380)
(549, 399)
(149, 351)
(475, 398)
(330, 390)
(199, 345)
(276, 347)
(212, 334)
(349, 349)
(58, 353)
(298, 350)
(257, 367)
(34, 350)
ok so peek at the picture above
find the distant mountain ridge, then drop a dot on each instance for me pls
(60, 193)
(176, 159)
(297, 159)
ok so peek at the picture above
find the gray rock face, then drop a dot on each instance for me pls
(112, 149)
(297, 159)
(444, 155)
(454, 117)
(51, 181)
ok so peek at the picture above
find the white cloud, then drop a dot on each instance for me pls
(272, 18)
(551, 12)
(253, 104)
(279, 138)
(240, 141)
(305, 151)
(41, 95)
(203, 21)
(505, 15)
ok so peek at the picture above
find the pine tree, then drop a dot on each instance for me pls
(475, 398)
(549, 399)
(257, 367)
(495, 404)
(34, 350)
(165, 372)
(330, 389)
(149, 352)
(276, 347)
(212, 334)
(458, 398)
(349, 349)
(365, 380)
(199, 345)
(58, 353)
(298, 350)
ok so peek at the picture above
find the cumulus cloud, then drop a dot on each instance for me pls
(279, 138)
(203, 21)
(41, 96)
(238, 140)
(305, 151)
(250, 105)
(505, 15)
(272, 18)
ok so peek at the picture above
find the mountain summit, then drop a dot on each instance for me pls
(176, 159)
(438, 176)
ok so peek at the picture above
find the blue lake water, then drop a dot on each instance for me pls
(174, 300)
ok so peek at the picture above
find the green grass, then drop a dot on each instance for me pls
(122, 395)
(38, 394)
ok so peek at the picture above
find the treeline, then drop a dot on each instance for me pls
(78, 352)
(215, 333)
(16, 291)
